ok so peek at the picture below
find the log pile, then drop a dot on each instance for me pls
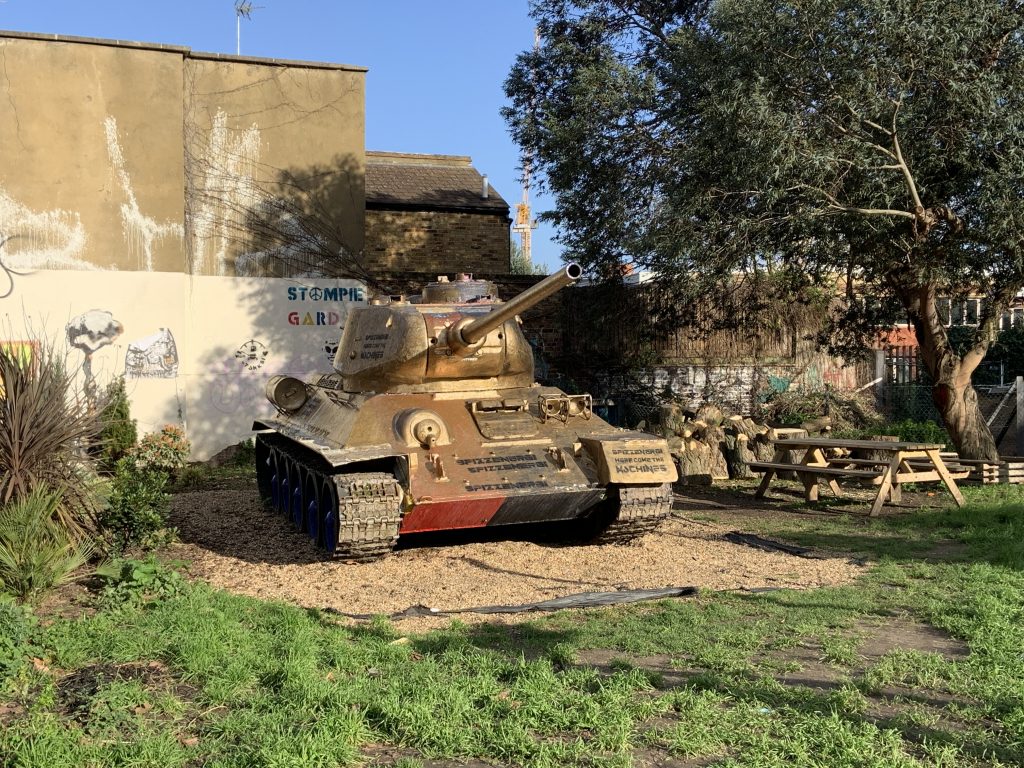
(710, 444)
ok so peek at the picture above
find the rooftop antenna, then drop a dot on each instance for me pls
(242, 8)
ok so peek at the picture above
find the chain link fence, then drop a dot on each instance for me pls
(905, 392)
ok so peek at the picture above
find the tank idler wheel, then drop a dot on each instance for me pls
(264, 469)
(311, 501)
(632, 511)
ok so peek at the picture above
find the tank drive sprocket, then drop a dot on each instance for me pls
(640, 509)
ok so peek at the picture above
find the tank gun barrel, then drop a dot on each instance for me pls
(479, 328)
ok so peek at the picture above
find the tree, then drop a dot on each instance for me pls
(871, 148)
(518, 263)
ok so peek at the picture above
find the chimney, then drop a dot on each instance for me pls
(485, 192)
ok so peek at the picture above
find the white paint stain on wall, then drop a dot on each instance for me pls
(140, 232)
(41, 239)
(223, 193)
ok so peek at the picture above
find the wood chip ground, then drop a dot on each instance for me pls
(235, 544)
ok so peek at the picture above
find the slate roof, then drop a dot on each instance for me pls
(405, 181)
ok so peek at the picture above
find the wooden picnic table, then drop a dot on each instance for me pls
(898, 463)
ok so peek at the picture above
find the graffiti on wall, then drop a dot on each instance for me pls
(89, 332)
(52, 239)
(152, 357)
(93, 330)
(222, 194)
(252, 354)
(140, 231)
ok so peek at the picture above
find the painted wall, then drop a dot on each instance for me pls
(160, 210)
(194, 350)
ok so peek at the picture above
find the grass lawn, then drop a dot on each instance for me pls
(921, 663)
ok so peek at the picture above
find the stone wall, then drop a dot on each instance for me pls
(436, 241)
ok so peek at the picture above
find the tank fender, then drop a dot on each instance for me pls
(631, 459)
(337, 456)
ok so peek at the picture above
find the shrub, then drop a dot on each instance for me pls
(914, 431)
(164, 451)
(44, 428)
(137, 505)
(118, 434)
(36, 552)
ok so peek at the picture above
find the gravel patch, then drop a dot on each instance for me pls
(234, 544)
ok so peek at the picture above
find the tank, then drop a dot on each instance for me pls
(431, 421)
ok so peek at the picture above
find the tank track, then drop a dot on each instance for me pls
(369, 515)
(640, 509)
(364, 523)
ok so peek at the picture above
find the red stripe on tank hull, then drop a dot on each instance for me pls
(448, 515)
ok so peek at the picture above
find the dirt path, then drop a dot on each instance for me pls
(236, 545)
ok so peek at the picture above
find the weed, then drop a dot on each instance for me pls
(139, 581)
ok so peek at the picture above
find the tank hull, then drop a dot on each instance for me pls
(457, 460)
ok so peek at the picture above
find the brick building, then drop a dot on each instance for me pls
(426, 213)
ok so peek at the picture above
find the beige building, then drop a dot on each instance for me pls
(198, 222)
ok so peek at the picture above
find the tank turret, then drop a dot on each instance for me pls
(455, 334)
(431, 420)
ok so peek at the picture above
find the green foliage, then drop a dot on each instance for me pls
(36, 551)
(518, 264)
(914, 431)
(138, 503)
(139, 581)
(44, 426)
(118, 434)
(17, 630)
(163, 451)
(861, 146)
(246, 455)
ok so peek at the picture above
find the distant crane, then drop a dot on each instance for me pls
(242, 8)
(524, 222)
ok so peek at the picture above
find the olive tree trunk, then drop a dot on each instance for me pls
(953, 393)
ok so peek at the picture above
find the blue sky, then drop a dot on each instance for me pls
(436, 69)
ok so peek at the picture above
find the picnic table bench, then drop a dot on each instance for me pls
(899, 463)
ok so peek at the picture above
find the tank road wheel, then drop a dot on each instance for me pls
(296, 507)
(311, 499)
(284, 487)
(329, 514)
(264, 469)
(632, 511)
(369, 513)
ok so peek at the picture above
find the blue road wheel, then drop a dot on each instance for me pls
(329, 514)
(311, 498)
(296, 508)
(284, 491)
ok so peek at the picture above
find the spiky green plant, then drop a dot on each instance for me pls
(37, 553)
(44, 428)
